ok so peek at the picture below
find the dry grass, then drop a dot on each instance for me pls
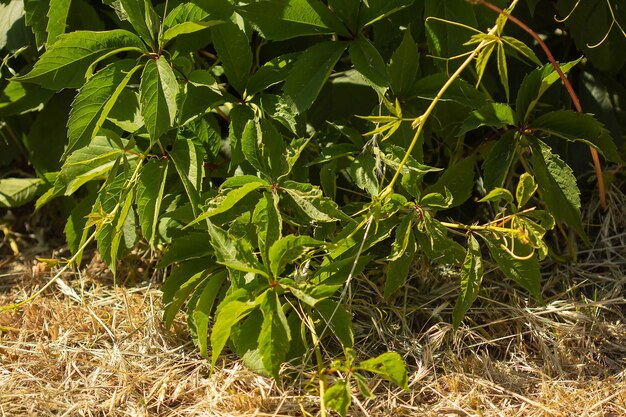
(89, 349)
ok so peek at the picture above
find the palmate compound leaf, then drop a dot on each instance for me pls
(310, 72)
(557, 185)
(275, 334)
(65, 63)
(95, 100)
(150, 188)
(471, 277)
(288, 249)
(158, 91)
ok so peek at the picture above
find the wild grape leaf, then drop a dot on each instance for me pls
(65, 63)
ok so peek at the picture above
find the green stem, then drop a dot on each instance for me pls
(421, 121)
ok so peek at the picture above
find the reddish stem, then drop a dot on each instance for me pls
(568, 86)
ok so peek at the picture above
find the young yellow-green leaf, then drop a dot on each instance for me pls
(233, 49)
(337, 319)
(232, 252)
(503, 70)
(280, 20)
(526, 187)
(557, 185)
(482, 59)
(275, 334)
(203, 308)
(310, 72)
(525, 272)
(57, 19)
(158, 91)
(95, 100)
(268, 222)
(471, 277)
(15, 192)
(367, 60)
(388, 365)
(361, 383)
(187, 159)
(498, 194)
(288, 249)
(231, 311)
(404, 65)
(338, 397)
(521, 47)
(498, 162)
(150, 188)
(65, 63)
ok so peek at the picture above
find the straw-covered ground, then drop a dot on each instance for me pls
(88, 348)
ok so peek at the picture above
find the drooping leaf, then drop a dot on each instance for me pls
(275, 334)
(204, 307)
(367, 60)
(95, 100)
(310, 72)
(557, 185)
(233, 49)
(187, 159)
(150, 188)
(471, 277)
(65, 63)
(158, 92)
(503, 70)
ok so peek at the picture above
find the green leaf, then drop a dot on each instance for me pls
(284, 19)
(288, 249)
(367, 60)
(65, 63)
(229, 201)
(313, 205)
(142, 17)
(376, 10)
(192, 245)
(15, 192)
(471, 277)
(498, 162)
(231, 311)
(404, 66)
(13, 33)
(126, 113)
(186, 28)
(36, 17)
(250, 145)
(76, 230)
(433, 239)
(388, 365)
(525, 272)
(275, 334)
(268, 222)
(57, 19)
(535, 85)
(122, 221)
(459, 91)
(187, 159)
(204, 306)
(361, 383)
(446, 40)
(338, 397)
(496, 115)
(310, 72)
(95, 100)
(363, 171)
(458, 179)
(503, 70)
(234, 253)
(521, 47)
(272, 72)
(150, 188)
(338, 319)
(557, 185)
(21, 98)
(526, 187)
(158, 92)
(577, 127)
(498, 194)
(233, 49)
(399, 267)
(347, 11)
